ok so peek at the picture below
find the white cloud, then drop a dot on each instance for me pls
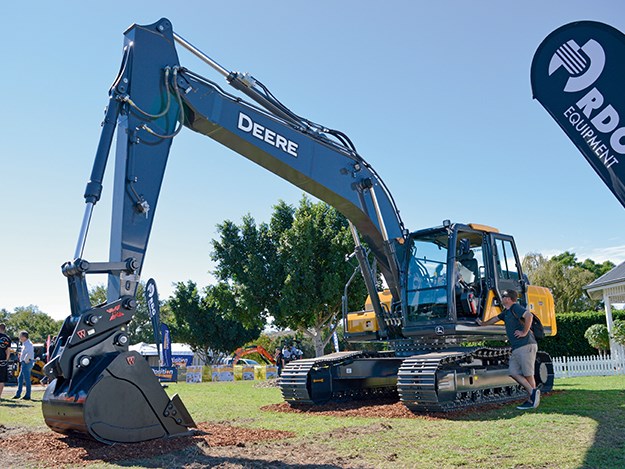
(615, 254)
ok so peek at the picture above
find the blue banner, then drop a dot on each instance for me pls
(154, 308)
(166, 345)
(577, 75)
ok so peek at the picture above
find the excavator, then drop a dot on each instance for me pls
(437, 281)
(250, 349)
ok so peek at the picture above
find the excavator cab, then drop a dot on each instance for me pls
(454, 274)
(446, 278)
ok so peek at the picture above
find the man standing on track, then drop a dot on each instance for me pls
(518, 323)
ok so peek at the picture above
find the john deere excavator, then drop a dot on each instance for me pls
(439, 280)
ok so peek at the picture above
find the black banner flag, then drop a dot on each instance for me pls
(578, 75)
(154, 309)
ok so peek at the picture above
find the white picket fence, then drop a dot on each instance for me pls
(598, 365)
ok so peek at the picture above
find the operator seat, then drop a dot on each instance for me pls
(467, 294)
(469, 268)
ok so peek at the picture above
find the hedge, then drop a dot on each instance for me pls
(570, 340)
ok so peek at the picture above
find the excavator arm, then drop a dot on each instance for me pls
(99, 388)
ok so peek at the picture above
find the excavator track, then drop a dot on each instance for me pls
(293, 381)
(455, 380)
(441, 381)
(317, 380)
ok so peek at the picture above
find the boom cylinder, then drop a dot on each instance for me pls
(201, 55)
(84, 229)
(369, 279)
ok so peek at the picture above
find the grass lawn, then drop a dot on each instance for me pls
(582, 424)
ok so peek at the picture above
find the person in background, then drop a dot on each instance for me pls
(279, 360)
(296, 353)
(27, 360)
(286, 354)
(5, 353)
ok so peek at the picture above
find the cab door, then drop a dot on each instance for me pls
(507, 266)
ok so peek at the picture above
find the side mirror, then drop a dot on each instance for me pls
(524, 282)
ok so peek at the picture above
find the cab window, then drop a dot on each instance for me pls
(507, 268)
(427, 279)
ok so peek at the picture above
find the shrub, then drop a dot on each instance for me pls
(598, 337)
(570, 339)
(618, 334)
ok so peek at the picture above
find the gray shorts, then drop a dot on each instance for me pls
(522, 360)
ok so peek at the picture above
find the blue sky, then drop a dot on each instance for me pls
(435, 95)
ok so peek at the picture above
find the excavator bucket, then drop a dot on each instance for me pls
(117, 398)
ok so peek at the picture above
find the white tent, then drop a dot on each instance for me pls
(147, 350)
(181, 354)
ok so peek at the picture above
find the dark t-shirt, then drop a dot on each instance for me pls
(514, 324)
(5, 344)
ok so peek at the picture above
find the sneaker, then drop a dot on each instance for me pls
(15, 397)
(526, 405)
(535, 397)
(25, 398)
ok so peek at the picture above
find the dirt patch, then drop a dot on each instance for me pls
(6, 432)
(349, 432)
(373, 409)
(62, 450)
(379, 408)
(278, 455)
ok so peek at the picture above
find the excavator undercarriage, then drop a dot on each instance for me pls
(428, 381)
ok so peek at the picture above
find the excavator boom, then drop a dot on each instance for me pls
(150, 101)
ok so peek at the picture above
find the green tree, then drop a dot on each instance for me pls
(31, 319)
(248, 258)
(565, 277)
(292, 269)
(140, 327)
(207, 323)
(597, 269)
(598, 337)
(567, 259)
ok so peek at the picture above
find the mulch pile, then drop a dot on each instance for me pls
(61, 450)
(379, 408)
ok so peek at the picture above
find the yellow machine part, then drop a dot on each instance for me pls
(539, 301)
(491, 310)
(385, 299)
(479, 227)
(365, 321)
